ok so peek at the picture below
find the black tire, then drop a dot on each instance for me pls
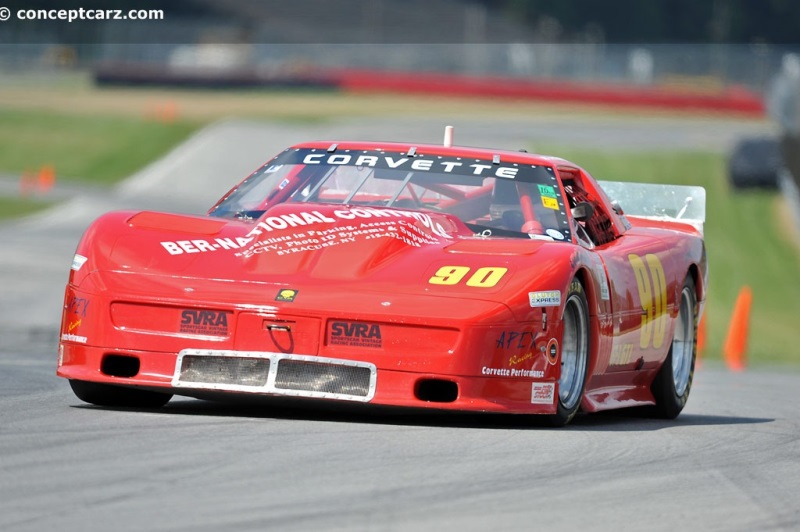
(117, 396)
(673, 382)
(755, 163)
(574, 355)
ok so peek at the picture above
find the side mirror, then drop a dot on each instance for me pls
(582, 211)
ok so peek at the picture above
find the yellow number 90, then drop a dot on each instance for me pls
(449, 275)
(653, 298)
(485, 277)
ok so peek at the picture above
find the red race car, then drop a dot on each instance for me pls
(419, 276)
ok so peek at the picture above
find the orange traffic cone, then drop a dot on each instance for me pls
(736, 342)
(166, 112)
(169, 112)
(47, 178)
(701, 335)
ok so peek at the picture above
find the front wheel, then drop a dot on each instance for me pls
(574, 355)
(117, 396)
(674, 380)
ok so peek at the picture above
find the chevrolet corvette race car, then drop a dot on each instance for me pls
(417, 276)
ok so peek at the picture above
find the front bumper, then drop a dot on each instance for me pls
(387, 387)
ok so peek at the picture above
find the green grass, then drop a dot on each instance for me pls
(84, 148)
(747, 243)
(17, 207)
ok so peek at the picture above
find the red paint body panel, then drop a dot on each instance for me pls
(416, 293)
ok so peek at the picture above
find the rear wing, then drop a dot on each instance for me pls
(672, 203)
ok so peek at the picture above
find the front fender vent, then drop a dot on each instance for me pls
(436, 391)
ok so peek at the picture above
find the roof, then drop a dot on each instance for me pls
(439, 149)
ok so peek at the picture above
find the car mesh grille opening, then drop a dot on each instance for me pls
(323, 378)
(270, 373)
(242, 371)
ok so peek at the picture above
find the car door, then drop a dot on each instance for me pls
(638, 264)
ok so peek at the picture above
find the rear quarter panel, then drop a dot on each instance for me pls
(646, 268)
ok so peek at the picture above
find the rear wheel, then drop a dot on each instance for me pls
(574, 355)
(674, 380)
(108, 395)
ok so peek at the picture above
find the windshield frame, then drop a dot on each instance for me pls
(463, 186)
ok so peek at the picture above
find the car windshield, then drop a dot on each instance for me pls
(491, 197)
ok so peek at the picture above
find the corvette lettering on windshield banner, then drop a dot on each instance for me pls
(402, 162)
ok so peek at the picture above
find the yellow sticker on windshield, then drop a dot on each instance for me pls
(550, 203)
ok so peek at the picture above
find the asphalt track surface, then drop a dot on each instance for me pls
(731, 461)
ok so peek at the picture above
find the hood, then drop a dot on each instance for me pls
(320, 247)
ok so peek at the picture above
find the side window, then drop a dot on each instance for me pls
(599, 227)
(582, 236)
